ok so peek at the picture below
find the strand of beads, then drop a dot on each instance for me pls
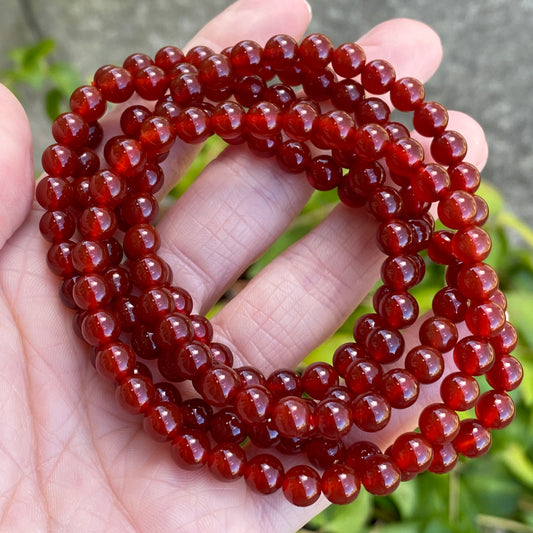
(128, 310)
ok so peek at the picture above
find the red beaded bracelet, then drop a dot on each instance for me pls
(127, 309)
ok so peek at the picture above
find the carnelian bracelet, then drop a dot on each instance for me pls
(99, 216)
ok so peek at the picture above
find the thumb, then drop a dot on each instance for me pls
(16, 165)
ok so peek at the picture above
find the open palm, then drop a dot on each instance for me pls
(69, 459)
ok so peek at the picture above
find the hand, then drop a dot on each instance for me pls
(70, 460)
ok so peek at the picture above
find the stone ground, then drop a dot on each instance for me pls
(486, 71)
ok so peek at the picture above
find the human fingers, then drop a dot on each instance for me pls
(16, 165)
(205, 238)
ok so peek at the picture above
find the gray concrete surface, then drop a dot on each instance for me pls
(487, 68)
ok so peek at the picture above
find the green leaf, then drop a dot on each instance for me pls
(326, 350)
(53, 100)
(521, 314)
(406, 499)
(517, 461)
(351, 518)
(399, 527)
(35, 54)
(493, 197)
(64, 76)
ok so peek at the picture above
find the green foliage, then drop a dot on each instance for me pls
(33, 66)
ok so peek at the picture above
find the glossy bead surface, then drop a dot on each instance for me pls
(264, 473)
(438, 424)
(459, 391)
(162, 421)
(495, 410)
(425, 363)
(505, 374)
(333, 418)
(135, 394)
(473, 355)
(292, 416)
(317, 379)
(380, 475)
(253, 404)
(301, 485)
(371, 412)
(378, 76)
(472, 439)
(363, 375)
(340, 484)
(412, 453)
(190, 449)
(218, 385)
(400, 388)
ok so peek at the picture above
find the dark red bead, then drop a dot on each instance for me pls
(196, 414)
(301, 485)
(316, 51)
(168, 56)
(284, 382)
(371, 412)
(197, 54)
(115, 361)
(218, 385)
(348, 60)
(459, 391)
(115, 83)
(378, 76)
(439, 333)
(381, 475)
(162, 421)
(226, 426)
(135, 393)
(495, 410)
(318, 378)
(425, 363)
(227, 462)
(449, 148)
(473, 355)
(344, 355)
(399, 387)
(249, 90)
(190, 449)
(372, 111)
(264, 473)
(385, 345)
(281, 51)
(333, 418)
(193, 125)
(407, 94)
(363, 375)
(253, 404)
(430, 119)
(472, 440)
(412, 453)
(438, 424)
(292, 416)
(323, 453)
(59, 161)
(246, 58)
(505, 374)
(444, 458)
(88, 102)
(340, 484)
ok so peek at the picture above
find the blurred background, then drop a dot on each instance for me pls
(49, 48)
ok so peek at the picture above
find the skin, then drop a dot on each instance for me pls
(70, 460)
